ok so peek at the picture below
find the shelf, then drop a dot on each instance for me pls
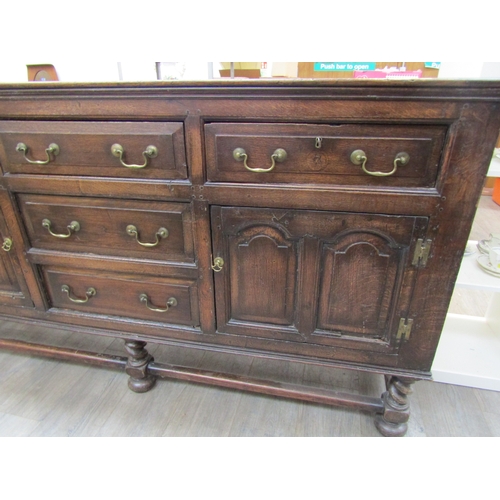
(472, 276)
(468, 353)
(469, 348)
(494, 170)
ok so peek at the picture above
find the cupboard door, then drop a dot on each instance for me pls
(337, 279)
(256, 289)
(13, 289)
(362, 292)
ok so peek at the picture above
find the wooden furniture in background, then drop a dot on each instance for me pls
(240, 73)
(312, 221)
(42, 73)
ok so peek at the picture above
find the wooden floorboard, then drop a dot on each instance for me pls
(449, 410)
(42, 397)
(51, 398)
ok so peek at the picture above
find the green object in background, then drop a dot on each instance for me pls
(344, 66)
(435, 65)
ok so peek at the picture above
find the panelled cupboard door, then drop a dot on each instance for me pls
(13, 289)
(336, 279)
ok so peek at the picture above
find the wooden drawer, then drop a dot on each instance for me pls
(104, 227)
(85, 149)
(113, 294)
(321, 154)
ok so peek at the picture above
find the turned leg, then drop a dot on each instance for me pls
(393, 421)
(137, 366)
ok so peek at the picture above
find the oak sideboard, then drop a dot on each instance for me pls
(314, 221)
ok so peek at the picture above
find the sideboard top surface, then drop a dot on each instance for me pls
(426, 87)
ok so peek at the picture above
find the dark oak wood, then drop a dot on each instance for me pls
(315, 277)
(322, 261)
(392, 422)
(86, 152)
(103, 227)
(326, 161)
(160, 370)
(64, 354)
(120, 295)
(13, 289)
(140, 380)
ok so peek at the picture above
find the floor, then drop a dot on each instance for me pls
(42, 397)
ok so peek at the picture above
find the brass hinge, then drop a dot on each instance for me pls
(421, 252)
(404, 329)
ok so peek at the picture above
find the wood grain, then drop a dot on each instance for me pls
(85, 152)
(319, 256)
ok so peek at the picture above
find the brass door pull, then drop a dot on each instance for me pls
(118, 151)
(217, 265)
(73, 227)
(53, 150)
(161, 233)
(279, 156)
(89, 293)
(7, 244)
(171, 302)
(359, 157)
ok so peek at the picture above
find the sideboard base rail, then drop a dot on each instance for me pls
(391, 409)
(64, 354)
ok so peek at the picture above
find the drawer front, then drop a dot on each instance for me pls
(399, 155)
(121, 228)
(130, 296)
(86, 149)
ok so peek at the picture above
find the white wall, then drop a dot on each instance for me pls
(97, 71)
(285, 69)
(470, 70)
(491, 71)
(13, 73)
(75, 71)
(67, 71)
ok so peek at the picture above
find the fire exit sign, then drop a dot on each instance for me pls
(344, 66)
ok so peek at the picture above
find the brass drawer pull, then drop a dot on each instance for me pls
(7, 244)
(161, 233)
(89, 293)
(73, 227)
(171, 302)
(359, 157)
(151, 152)
(279, 156)
(52, 149)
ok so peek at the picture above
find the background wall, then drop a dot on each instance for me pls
(96, 71)
(470, 70)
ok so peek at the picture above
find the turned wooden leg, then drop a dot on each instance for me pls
(137, 366)
(392, 422)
